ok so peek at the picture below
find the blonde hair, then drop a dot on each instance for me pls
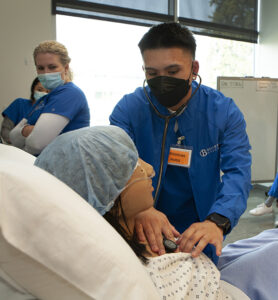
(57, 48)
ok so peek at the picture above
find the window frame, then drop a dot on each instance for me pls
(78, 8)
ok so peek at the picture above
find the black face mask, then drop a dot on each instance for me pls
(169, 90)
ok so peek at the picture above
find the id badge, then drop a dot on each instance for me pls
(180, 155)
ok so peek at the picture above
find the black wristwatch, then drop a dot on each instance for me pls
(221, 221)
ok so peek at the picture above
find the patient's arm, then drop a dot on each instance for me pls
(150, 224)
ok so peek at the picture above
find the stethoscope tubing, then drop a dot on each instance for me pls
(167, 120)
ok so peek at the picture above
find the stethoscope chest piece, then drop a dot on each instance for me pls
(169, 245)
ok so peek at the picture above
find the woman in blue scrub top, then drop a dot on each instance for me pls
(19, 108)
(65, 108)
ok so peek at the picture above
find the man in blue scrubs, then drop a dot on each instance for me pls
(207, 136)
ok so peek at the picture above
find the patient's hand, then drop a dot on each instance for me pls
(202, 233)
(150, 224)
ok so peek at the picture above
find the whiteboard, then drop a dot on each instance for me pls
(257, 98)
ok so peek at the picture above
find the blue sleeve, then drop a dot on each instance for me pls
(16, 110)
(235, 163)
(121, 117)
(274, 188)
(67, 102)
(245, 264)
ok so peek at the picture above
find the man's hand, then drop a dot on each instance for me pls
(202, 233)
(27, 129)
(150, 224)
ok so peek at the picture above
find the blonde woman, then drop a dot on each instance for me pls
(64, 109)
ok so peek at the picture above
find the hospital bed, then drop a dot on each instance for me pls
(55, 246)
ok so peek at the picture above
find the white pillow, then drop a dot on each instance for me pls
(56, 246)
(8, 152)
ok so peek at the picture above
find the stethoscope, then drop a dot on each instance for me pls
(167, 119)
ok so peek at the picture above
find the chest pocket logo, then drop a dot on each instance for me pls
(41, 105)
(205, 152)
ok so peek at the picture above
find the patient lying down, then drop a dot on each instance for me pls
(102, 165)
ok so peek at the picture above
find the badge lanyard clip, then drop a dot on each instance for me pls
(180, 139)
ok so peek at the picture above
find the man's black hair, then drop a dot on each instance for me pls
(168, 35)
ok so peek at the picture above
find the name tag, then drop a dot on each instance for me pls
(180, 157)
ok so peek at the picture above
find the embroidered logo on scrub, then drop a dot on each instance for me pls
(39, 106)
(205, 152)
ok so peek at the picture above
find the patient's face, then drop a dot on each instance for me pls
(138, 194)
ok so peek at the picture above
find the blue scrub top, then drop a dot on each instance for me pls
(67, 100)
(17, 110)
(182, 211)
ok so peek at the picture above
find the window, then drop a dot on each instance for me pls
(222, 57)
(107, 64)
(232, 19)
(106, 61)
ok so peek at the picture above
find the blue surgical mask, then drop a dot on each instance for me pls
(51, 80)
(38, 95)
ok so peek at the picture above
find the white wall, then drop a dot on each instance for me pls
(267, 49)
(23, 24)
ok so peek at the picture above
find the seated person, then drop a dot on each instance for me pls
(101, 164)
(19, 108)
(65, 108)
